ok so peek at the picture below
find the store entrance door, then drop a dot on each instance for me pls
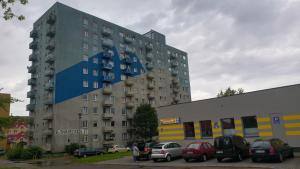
(277, 126)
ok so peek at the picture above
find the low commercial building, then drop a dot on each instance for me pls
(18, 134)
(271, 113)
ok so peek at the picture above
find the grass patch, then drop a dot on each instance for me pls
(9, 168)
(105, 157)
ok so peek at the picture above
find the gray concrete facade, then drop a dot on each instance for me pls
(276, 112)
(63, 38)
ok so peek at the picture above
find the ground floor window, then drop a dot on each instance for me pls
(206, 129)
(189, 131)
(228, 126)
(250, 126)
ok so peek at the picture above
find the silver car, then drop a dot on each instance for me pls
(166, 151)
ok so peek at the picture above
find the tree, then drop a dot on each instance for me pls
(230, 92)
(5, 100)
(7, 9)
(145, 122)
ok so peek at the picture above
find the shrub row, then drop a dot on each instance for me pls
(20, 153)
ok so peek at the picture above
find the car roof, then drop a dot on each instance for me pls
(167, 142)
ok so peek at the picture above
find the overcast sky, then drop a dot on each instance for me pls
(250, 44)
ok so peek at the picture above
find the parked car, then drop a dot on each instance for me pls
(146, 149)
(117, 148)
(2, 152)
(273, 149)
(84, 152)
(235, 147)
(198, 150)
(166, 151)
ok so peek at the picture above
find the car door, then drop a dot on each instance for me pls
(178, 149)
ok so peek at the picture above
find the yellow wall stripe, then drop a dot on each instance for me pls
(197, 137)
(238, 128)
(216, 130)
(197, 131)
(293, 133)
(171, 132)
(239, 134)
(291, 117)
(237, 121)
(196, 124)
(177, 126)
(291, 125)
(217, 134)
(263, 119)
(265, 133)
(172, 138)
(266, 126)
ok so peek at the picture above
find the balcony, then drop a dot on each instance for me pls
(31, 69)
(51, 19)
(107, 78)
(51, 45)
(149, 47)
(131, 130)
(129, 115)
(107, 43)
(128, 40)
(128, 72)
(33, 45)
(49, 86)
(31, 94)
(150, 75)
(107, 90)
(176, 99)
(129, 50)
(129, 105)
(49, 58)
(107, 102)
(108, 129)
(174, 72)
(107, 55)
(30, 107)
(49, 101)
(149, 57)
(47, 132)
(48, 116)
(107, 115)
(106, 32)
(174, 64)
(150, 86)
(32, 82)
(49, 73)
(127, 60)
(107, 66)
(33, 57)
(50, 32)
(175, 81)
(173, 56)
(108, 141)
(151, 95)
(34, 34)
(128, 82)
(149, 66)
(129, 93)
(175, 90)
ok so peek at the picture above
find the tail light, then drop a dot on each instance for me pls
(162, 152)
(146, 149)
(272, 151)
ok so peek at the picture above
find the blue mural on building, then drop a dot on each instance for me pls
(102, 68)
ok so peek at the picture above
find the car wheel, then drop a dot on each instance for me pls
(155, 160)
(219, 159)
(292, 154)
(280, 157)
(204, 157)
(239, 157)
(254, 160)
(186, 160)
(168, 158)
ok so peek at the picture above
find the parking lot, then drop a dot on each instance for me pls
(287, 164)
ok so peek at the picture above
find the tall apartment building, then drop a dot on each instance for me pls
(88, 76)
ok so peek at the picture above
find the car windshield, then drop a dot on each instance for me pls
(223, 142)
(261, 144)
(158, 146)
(193, 145)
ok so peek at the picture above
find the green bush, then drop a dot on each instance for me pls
(36, 152)
(72, 147)
(19, 153)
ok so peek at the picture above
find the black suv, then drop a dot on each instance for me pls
(273, 149)
(235, 147)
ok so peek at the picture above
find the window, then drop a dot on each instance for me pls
(112, 123)
(95, 137)
(95, 72)
(184, 57)
(184, 65)
(122, 66)
(123, 77)
(95, 96)
(84, 124)
(85, 58)
(95, 124)
(134, 59)
(95, 85)
(86, 34)
(85, 46)
(95, 110)
(85, 97)
(85, 21)
(85, 138)
(124, 123)
(85, 83)
(95, 48)
(189, 130)
(228, 126)
(124, 136)
(250, 126)
(85, 71)
(84, 110)
(206, 129)
(95, 60)
(134, 70)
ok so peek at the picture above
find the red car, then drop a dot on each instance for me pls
(199, 151)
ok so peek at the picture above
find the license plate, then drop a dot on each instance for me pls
(190, 152)
(219, 152)
(260, 151)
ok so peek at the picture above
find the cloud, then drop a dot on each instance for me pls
(252, 44)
